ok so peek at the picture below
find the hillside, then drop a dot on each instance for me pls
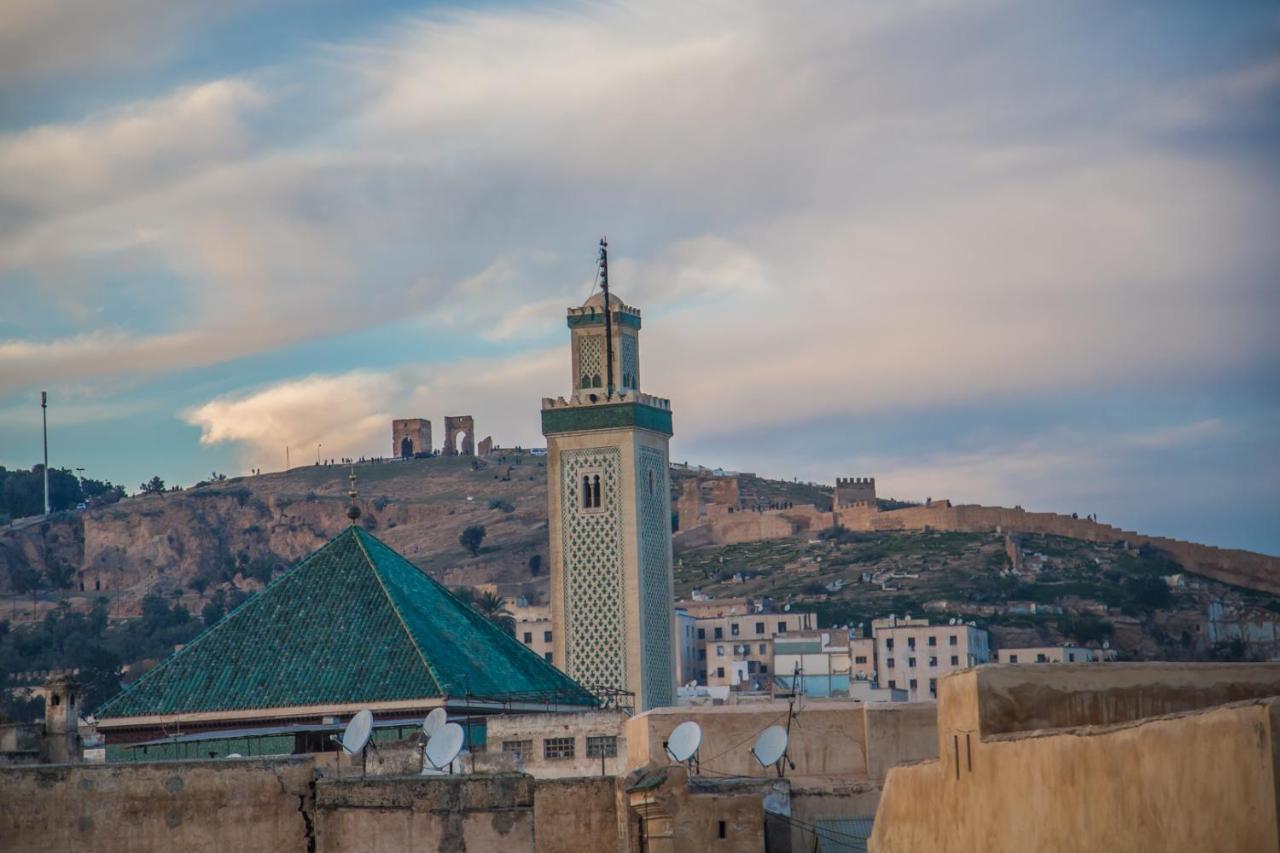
(170, 562)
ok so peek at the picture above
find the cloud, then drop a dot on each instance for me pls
(66, 167)
(54, 37)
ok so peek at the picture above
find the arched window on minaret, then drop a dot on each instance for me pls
(595, 381)
(595, 491)
(586, 381)
(586, 492)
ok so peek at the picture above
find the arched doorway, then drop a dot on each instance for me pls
(406, 447)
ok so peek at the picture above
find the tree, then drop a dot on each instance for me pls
(535, 564)
(215, 609)
(61, 575)
(154, 486)
(494, 608)
(471, 537)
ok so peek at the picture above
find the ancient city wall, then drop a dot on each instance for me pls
(255, 806)
(1241, 568)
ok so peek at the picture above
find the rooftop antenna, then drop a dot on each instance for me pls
(682, 745)
(608, 314)
(44, 422)
(442, 748)
(353, 511)
(771, 748)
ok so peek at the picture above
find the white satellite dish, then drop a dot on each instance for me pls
(444, 746)
(770, 746)
(356, 735)
(435, 721)
(684, 741)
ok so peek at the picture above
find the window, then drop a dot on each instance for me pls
(719, 633)
(933, 685)
(1071, 657)
(888, 644)
(955, 660)
(723, 830)
(782, 627)
(557, 748)
(911, 643)
(546, 656)
(933, 641)
(860, 659)
(719, 651)
(702, 633)
(889, 663)
(911, 662)
(591, 491)
(764, 667)
(528, 637)
(719, 672)
(521, 749)
(602, 746)
(1042, 658)
(650, 481)
(893, 685)
(764, 648)
(933, 661)
(1013, 658)
(586, 381)
(546, 636)
(953, 640)
(733, 629)
(913, 684)
(702, 654)
(759, 627)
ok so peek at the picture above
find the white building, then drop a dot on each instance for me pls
(912, 655)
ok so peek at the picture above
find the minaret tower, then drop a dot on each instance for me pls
(609, 505)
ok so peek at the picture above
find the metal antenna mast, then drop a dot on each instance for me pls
(608, 315)
(44, 418)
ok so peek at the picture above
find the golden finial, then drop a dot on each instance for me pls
(353, 511)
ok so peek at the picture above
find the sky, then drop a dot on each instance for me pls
(1017, 253)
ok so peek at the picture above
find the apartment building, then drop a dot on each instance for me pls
(912, 655)
(687, 667)
(745, 640)
(533, 628)
(1049, 654)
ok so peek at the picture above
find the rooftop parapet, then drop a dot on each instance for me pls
(598, 398)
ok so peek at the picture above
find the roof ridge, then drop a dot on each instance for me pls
(413, 640)
(226, 617)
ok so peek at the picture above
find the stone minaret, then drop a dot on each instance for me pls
(61, 720)
(609, 506)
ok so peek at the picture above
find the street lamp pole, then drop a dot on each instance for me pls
(44, 419)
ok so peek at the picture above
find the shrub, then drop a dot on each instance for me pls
(471, 537)
(502, 504)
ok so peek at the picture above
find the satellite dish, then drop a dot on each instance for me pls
(235, 755)
(435, 721)
(444, 746)
(770, 746)
(684, 741)
(356, 735)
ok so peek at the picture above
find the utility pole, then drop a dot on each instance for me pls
(44, 418)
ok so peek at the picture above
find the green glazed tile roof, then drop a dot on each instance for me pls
(354, 622)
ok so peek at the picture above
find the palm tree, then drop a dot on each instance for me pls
(494, 608)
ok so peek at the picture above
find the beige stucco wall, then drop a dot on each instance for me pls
(256, 806)
(1202, 781)
(1171, 757)
(851, 740)
(538, 727)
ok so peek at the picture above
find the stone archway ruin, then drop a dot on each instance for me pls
(455, 426)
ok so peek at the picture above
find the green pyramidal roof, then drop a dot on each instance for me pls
(353, 623)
